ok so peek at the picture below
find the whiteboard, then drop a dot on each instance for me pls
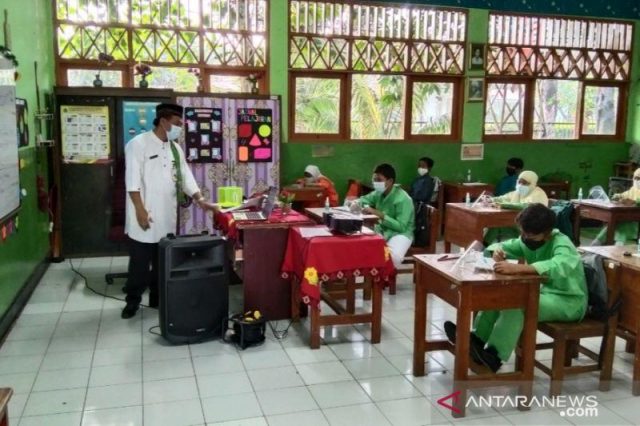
(9, 171)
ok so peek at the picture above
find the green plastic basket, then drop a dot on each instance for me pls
(229, 196)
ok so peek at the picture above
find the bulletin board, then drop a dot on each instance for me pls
(85, 133)
(255, 129)
(137, 118)
(203, 135)
(9, 168)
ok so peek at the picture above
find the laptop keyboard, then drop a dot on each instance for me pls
(249, 216)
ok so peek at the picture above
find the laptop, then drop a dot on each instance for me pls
(267, 208)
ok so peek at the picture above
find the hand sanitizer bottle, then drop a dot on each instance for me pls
(469, 175)
(580, 194)
(467, 200)
(327, 206)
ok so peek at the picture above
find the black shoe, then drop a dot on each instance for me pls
(153, 301)
(488, 357)
(129, 311)
(450, 331)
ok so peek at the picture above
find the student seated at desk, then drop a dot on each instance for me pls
(625, 231)
(563, 296)
(313, 177)
(424, 188)
(394, 208)
(508, 182)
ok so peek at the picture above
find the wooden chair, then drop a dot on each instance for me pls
(356, 188)
(566, 341)
(558, 190)
(433, 219)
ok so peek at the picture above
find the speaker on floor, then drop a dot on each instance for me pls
(193, 287)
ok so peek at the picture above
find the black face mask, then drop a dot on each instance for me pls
(510, 171)
(532, 244)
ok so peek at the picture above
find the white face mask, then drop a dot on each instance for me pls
(636, 183)
(309, 180)
(422, 171)
(379, 187)
(523, 190)
(174, 132)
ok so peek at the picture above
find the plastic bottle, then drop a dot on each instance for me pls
(580, 194)
(469, 175)
(467, 200)
(327, 206)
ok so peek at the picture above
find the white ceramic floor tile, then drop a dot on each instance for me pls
(17, 404)
(170, 390)
(626, 408)
(19, 382)
(306, 356)
(275, 378)
(177, 413)
(164, 352)
(62, 419)
(129, 416)
(253, 421)
(306, 418)
(31, 332)
(43, 308)
(388, 388)
(30, 320)
(61, 379)
(370, 367)
(217, 364)
(224, 384)
(172, 369)
(548, 417)
(118, 374)
(20, 364)
(391, 347)
(119, 340)
(288, 400)
(356, 415)
(212, 348)
(495, 420)
(60, 401)
(265, 359)
(339, 394)
(411, 412)
(72, 344)
(231, 407)
(24, 347)
(127, 355)
(115, 396)
(324, 372)
(355, 350)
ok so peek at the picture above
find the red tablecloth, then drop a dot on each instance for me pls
(319, 259)
(225, 222)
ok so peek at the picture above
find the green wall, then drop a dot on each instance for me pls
(31, 40)
(357, 159)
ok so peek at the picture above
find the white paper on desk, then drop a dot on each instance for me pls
(473, 183)
(315, 232)
(251, 202)
(487, 263)
(367, 231)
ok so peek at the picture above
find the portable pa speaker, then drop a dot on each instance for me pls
(193, 287)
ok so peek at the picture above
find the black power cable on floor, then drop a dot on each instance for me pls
(279, 334)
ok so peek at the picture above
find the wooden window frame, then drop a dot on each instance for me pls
(527, 124)
(621, 111)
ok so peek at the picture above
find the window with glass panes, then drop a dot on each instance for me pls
(556, 78)
(361, 71)
(191, 45)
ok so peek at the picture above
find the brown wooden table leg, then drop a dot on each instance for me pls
(611, 230)
(447, 246)
(636, 366)
(461, 363)
(529, 345)
(315, 327)
(576, 225)
(295, 299)
(351, 295)
(419, 321)
(629, 346)
(376, 313)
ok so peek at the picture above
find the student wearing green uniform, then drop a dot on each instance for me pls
(626, 231)
(394, 208)
(563, 295)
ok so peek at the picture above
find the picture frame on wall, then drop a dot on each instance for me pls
(476, 56)
(475, 90)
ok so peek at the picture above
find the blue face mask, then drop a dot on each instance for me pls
(174, 132)
(379, 187)
(523, 190)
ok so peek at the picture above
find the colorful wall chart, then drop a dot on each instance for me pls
(85, 133)
(255, 128)
(137, 118)
(203, 135)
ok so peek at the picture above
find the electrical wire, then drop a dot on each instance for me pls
(279, 334)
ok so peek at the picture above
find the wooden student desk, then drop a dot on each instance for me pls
(470, 291)
(306, 195)
(456, 192)
(465, 224)
(610, 213)
(629, 319)
(315, 213)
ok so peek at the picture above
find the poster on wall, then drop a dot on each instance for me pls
(85, 133)
(9, 172)
(203, 135)
(255, 128)
(137, 118)
(22, 114)
(471, 151)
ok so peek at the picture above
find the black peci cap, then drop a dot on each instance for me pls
(173, 108)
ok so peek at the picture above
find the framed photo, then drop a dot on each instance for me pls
(472, 151)
(475, 90)
(476, 56)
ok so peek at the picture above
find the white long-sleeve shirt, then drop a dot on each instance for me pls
(150, 170)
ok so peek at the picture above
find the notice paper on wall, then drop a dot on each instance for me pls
(85, 133)
(9, 172)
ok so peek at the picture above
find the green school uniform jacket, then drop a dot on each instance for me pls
(397, 207)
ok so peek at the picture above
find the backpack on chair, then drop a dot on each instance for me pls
(597, 288)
